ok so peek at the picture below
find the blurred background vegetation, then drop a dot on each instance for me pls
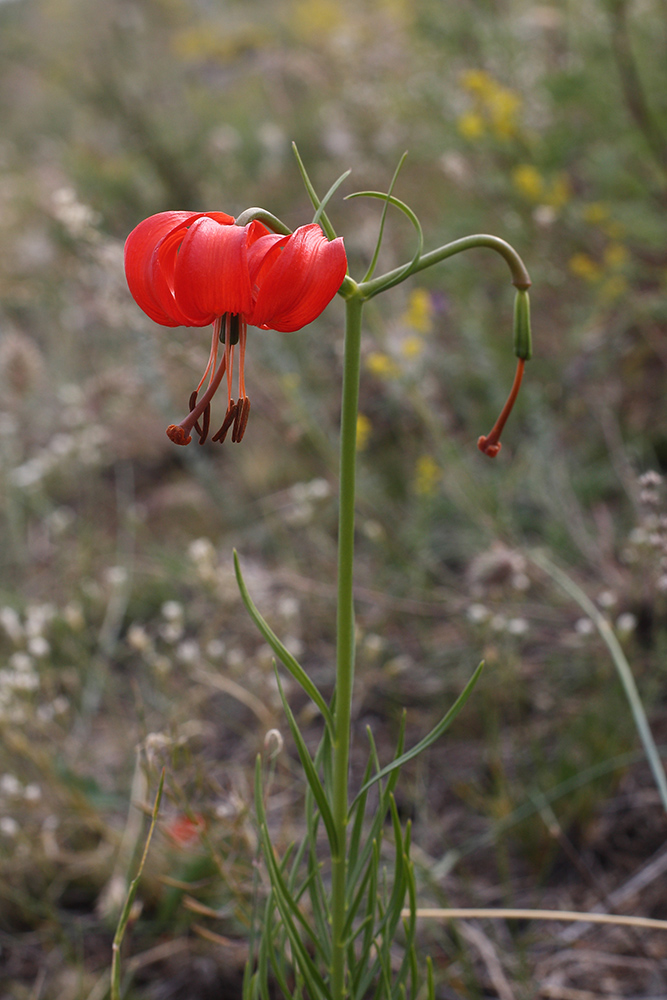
(123, 643)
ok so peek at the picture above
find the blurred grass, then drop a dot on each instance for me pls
(545, 124)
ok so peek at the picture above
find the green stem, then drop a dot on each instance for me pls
(520, 276)
(344, 636)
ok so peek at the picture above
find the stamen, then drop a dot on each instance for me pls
(227, 422)
(237, 419)
(239, 430)
(229, 357)
(213, 354)
(490, 444)
(180, 433)
(243, 334)
(203, 434)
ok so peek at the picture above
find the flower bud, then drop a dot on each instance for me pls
(523, 346)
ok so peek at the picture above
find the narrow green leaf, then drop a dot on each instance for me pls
(290, 913)
(312, 776)
(400, 275)
(285, 657)
(385, 208)
(332, 190)
(312, 194)
(357, 816)
(431, 737)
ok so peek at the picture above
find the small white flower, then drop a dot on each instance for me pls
(374, 644)
(215, 649)
(116, 576)
(11, 622)
(293, 645)
(626, 623)
(607, 599)
(32, 792)
(138, 638)
(21, 662)
(10, 785)
(172, 611)
(171, 632)
(38, 646)
(517, 626)
(188, 651)
(9, 826)
(73, 615)
(201, 550)
(477, 613)
(318, 489)
(236, 658)
(584, 626)
(288, 607)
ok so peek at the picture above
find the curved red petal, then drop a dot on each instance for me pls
(150, 254)
(138, 255)
(211, 271)
(296, 278)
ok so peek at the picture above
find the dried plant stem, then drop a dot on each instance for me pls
(622, 668)
(564, 915)
(131, 893)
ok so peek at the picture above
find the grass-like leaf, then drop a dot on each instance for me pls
(312, 194)
(332, 190)
(312, 776)
(283, 654)
(430, 738)
(383, 218)
(379, 285)
(288, 909)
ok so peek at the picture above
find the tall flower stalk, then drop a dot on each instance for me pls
(328, 930)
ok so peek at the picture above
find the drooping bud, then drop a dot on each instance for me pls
(523, 345)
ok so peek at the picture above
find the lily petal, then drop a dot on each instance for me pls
(211, 271)
(296, 278)
(149, 266)
(139, 247)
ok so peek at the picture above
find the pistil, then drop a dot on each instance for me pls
(490, 444)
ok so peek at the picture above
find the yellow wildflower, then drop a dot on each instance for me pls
(477, 81)
(364, 428)
(528, 181)
(471, 125)
(504, 106)
(382, 365)
(596, 213)
(412, 347)
(419, 314)
(427, 476)
(615, 255)
(584, 267)
(314, 19)
(559, 192)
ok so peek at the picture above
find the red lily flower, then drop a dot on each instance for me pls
(192, 269)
